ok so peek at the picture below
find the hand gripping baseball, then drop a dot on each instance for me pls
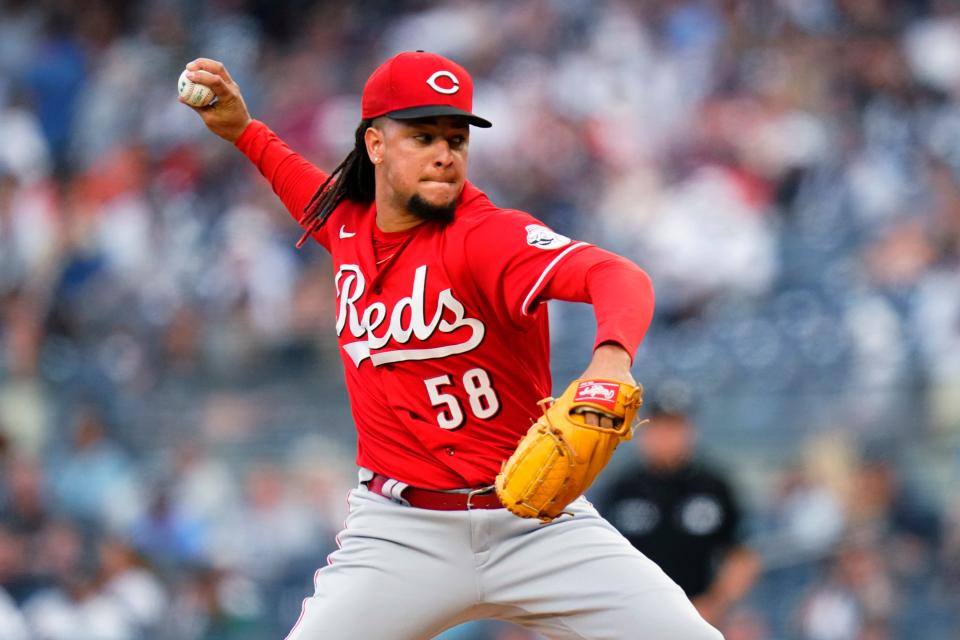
(563, 452)
(227, 116)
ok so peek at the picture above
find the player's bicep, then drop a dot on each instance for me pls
(519, 258)
(540, 289)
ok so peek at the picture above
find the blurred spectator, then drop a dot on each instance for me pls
(139, 593)
(12, 624)
(272, 531)
(15, 578)
(76, 610)
(215, 605)
(203, 487)
(24, 408)
(60, 549)
(693, 257)
(683, 515)
(55, 77)
(6, 459)
(889, 508)
(856, 600)
(808, 516)
(26, 507)
(951, 554)
(94, 480)
(25, 159)
(168, 536)
(808, 509)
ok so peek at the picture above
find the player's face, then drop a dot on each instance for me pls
(424, 164)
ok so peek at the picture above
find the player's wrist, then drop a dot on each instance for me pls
(613, 352)
(610, 360)
(235, 133)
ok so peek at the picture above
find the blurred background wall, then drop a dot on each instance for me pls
(175, 441)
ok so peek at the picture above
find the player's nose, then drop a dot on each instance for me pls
(444, 157)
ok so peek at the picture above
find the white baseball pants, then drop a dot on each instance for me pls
(403, 573)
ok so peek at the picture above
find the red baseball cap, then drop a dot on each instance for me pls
(418, 84)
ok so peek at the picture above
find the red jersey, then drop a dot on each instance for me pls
(445, 343)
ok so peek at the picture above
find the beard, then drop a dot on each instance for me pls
(431, 212)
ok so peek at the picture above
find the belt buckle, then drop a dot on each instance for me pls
(477, 492)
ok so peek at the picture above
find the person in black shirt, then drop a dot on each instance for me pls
(683, 515)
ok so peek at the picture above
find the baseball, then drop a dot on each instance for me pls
(196, 95)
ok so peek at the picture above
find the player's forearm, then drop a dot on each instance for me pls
(293, 178)
(623, 303)
(620, 291)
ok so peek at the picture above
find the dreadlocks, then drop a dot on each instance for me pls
(351, 180)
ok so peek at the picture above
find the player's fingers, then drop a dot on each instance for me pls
(596, 419)
(211, 66)
(215, 82)
(205, 109)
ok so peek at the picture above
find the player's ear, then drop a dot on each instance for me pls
(373, 138)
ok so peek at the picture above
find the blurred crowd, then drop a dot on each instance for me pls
(174, 441)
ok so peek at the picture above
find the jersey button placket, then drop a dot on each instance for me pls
(450, 451)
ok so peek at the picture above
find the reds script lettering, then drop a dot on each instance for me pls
(350, 285)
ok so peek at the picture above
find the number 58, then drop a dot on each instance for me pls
(483, 399)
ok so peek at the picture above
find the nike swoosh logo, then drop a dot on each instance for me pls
(346, 234)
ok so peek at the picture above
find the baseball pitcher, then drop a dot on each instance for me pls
(469, 503)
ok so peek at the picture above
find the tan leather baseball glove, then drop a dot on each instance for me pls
(561, 455)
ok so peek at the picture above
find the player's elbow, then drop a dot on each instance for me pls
(636, 283)
(643, 284)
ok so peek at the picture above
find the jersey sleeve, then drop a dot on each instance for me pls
(512, 257)
(293, 178)
(621, 294)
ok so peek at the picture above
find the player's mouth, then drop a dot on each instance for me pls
(439, 186)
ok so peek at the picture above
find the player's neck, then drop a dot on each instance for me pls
(393, 223)
(392, 218)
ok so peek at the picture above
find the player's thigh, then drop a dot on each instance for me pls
(395, 575)
(579, 578)
(657, 615)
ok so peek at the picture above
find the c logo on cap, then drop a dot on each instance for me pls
(432, 81)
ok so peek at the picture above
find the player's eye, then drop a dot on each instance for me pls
(457, 142)
(423, 138)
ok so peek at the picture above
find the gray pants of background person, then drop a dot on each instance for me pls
(403, 573)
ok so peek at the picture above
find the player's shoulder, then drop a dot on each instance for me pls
(478, 212)
(476, 207)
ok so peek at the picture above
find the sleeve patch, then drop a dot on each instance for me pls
(541, 237)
